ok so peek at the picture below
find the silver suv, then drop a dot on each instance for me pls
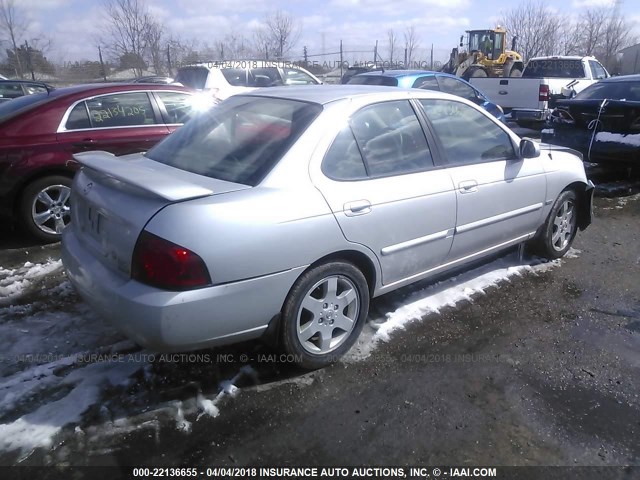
(226, 78)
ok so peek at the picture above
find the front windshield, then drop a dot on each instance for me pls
(239, 140)
(480, 40)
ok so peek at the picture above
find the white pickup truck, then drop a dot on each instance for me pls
(531, 98)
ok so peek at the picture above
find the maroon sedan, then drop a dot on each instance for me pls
(40, 133)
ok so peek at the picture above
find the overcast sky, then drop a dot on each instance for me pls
(74, 24)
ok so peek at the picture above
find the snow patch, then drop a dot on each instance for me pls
(227, 388)
(37, 429)
(447, 293)
(14, 282)
(181, 422)
(620, 138)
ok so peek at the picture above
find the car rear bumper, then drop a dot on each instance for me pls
(176, 321)
(529, 115)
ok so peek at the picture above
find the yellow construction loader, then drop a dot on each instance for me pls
(486, 55)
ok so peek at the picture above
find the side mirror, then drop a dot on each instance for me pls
(529, 148)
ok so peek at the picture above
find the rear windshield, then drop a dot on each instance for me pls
(193, 77)
(554, 68)
(373, 80)
(611, 90)
(239, 140)
(252, 77)
(11, 107)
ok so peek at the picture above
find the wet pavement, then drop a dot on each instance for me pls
(538, 369)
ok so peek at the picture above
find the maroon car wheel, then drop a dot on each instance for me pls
(45, 207)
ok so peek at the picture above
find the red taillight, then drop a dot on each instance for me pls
(160, 263)
(543, 95)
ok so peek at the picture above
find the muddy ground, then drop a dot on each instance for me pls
(542, 369)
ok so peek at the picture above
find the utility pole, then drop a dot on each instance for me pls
(306, 58)
(103, 71)
(341, 59)
(375, 54)
(169, 60)
(29, 63)
(431, 64)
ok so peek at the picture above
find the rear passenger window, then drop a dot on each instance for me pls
(343, 160)
(457, 87)
(78, 118)
(11, 90)
(297, 77)
(121, 110)
(391, 139)
(466, 134)
(179, 106)
(426, 83)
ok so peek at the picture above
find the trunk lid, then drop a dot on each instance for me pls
(113, 198)
(617, 116)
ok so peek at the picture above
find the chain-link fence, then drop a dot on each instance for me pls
(329, 63)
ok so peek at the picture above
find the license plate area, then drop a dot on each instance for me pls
(94, 222)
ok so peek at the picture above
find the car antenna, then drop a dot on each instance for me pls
(595, 123)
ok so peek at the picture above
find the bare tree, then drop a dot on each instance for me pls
(591, 25)
(536, 27)
(13, 29)
(278, 35)
(155, 44)
(569, 39)
(617, 34)
(129, 22)
(411, 43)
(392, 43)
(180, 52)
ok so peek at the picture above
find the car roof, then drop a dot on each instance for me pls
(622, 78)
(324, 94)
(401, 73)
(562, 57)
(100, 88)
(25, 82)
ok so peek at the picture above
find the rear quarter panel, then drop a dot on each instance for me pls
(254, 232)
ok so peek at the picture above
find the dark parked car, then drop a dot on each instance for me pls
(10, 89)
(40, 133)
(428, 80)
(602, 121)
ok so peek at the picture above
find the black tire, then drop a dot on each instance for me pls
(477, 72)
(555, 237)
(57, 188)
(314, 286)
(515, 72)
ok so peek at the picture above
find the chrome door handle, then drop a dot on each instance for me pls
(357, 207)
(468, 186)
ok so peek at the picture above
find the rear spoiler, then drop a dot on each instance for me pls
(135, 173)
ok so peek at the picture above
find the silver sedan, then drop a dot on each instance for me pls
(286, 210)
